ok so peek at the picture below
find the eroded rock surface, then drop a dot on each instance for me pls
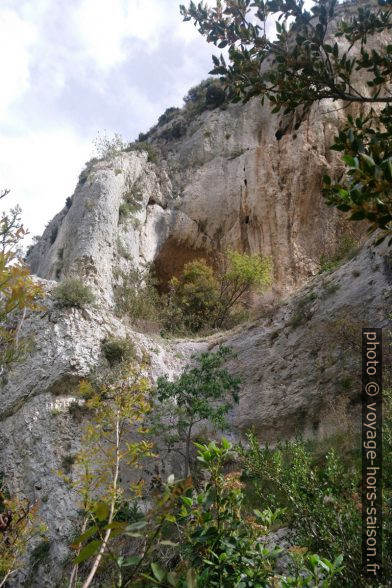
(233, 177)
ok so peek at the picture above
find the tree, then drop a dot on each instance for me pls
(19, 524)
(202, 297)
(201, 394)
(305, 64)
(119, 408)
(193, 297)
(242, 274)
(18, 292)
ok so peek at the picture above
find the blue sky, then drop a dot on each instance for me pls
(72, 68)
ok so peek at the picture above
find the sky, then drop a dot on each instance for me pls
(71, 69)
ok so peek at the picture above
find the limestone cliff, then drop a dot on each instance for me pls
(229, 177)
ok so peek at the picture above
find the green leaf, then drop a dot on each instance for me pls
(89, 533)
(351, 161)
(88, 550)
(158, 571)
(102, 511)
(367, 159)
(136, 526)
(172, 579)
(131, 561)
(169, 543)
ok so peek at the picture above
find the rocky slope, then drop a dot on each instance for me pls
(229, 177)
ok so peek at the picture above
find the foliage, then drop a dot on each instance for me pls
(201, 298)
(18, 292)
(366, 145)
(193, 298)
(143, 146)
(136, 295)
(217, 543)
(208, 94)
(321, 496)
(132, 201)
(117, 350)
(243, 273)
(119, 407)
(203, 393)
(72, 292)
(108, 147)
(19, 525)
(305, 64)
(84, 174)
(168, 115)
(223, 544)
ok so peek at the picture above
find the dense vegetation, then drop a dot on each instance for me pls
(200, 299)
(213, 525)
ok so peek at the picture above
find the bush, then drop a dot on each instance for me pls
(193, 298)
(118, 350)
(136, 295)
(132, 203)
(168, 115)
(321, 495)
(203, 299)
(144, 146)
(84, 174)
(74, 293)
(208, 94)
(108, 147)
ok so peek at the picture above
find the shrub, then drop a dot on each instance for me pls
(67, 462)
(175, 131)
(108, 147)
(136, 295)
(117, 350)
(215, 94)
(53, 234)
(203, 393)
(203, 299)
(40, 554)
(74, 293)
(193, 298)
(321, 495)
(132, 203)
(208, 94)
(217, 543)
(168, 115)
(144, 146)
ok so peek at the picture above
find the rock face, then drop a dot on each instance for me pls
(299, 365)
(239, 178)
(233, 177)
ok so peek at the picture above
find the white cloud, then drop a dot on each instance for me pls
(41, 169)
(103, 28)
(16, 38)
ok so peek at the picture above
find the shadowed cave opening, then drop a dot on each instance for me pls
(172, 258)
